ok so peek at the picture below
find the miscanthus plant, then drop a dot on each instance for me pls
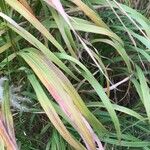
(74, 74)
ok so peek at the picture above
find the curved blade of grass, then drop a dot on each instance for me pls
(6, 113)
(144, 53)
(91, 118)
(137, 144)
(118, 108)
(93, 16)
(105, 31)
(5, 137)
(90, 13)
(119, 49)
(51, 113)
(105, 71)
(46, 71)
(7, 117)
(142, 39)
(31, 39)
(86, 26)
(91, 28)
(99, 89)
(144, 90)
(134, 16)
(35, 22)
(57, 5)
(60, 9)
(60, 23)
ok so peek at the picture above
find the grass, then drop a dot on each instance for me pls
(74, 75)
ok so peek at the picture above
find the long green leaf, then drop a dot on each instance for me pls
(59, 87)
(51, 113)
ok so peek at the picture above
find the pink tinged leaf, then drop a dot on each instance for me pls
(52, 114)
(60, 92)
(96, 139)
(6, 115)
(59, 100)
(65, 108)
(5, 136)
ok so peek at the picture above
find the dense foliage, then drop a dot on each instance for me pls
(74, 74)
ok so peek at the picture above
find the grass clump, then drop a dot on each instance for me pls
(74, 74)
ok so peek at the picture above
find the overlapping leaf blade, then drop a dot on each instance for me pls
(58, 86)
